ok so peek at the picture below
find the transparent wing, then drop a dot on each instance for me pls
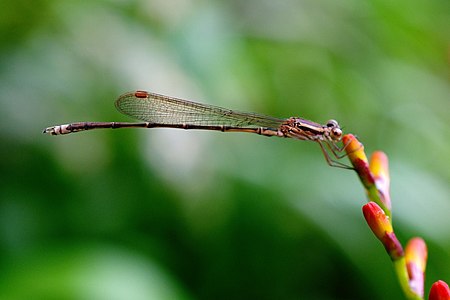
(159, 109)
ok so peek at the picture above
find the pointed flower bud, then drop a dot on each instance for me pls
(382, 228)
(379, 167)
(439, 291)
(416, 259)
(377, 220)
(354, 148)
(416, 252)
(355, 152)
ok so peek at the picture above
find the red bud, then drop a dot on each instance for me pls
(382, 228)
(439, 291)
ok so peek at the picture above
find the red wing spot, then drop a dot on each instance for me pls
(141, 94)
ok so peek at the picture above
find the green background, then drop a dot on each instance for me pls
(173, 214)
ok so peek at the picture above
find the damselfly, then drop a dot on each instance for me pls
(163, 111)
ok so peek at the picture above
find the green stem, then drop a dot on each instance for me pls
(403, 278)
(374, 195)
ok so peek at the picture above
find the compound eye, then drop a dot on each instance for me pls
(336, 133)
(332, 123)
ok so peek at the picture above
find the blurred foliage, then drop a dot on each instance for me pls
(167, 214)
